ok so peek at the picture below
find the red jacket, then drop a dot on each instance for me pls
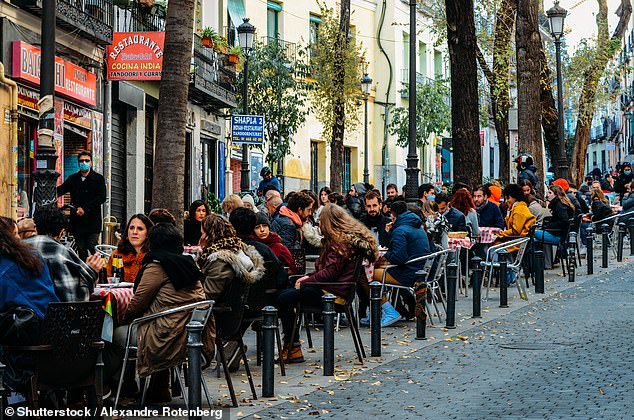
(274, 242)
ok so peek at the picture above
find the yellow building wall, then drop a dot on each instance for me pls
(6, 171)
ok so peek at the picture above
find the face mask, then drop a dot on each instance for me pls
(84, 166)
(627, 172)
(431, 197)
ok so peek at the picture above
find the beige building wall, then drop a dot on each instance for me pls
(6, 171)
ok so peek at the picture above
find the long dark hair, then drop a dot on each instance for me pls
(193, 207)
(125, 247)
(17, 251)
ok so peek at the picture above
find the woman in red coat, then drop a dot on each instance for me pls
(345, 238)
(263, 234)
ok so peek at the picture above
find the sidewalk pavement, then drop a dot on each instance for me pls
(398, 342)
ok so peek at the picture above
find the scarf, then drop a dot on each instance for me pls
(232, 244)
(180, 269)
(284, 211)
(482, 206)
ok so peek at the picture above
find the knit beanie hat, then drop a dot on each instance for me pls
(562, 183)
(262, 219)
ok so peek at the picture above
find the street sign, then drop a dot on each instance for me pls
(247, 129)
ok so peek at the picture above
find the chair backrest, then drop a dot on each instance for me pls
(202, 313)
(520, 253)
(234, 300)
(71, 329)
(105, 250)
(260, 292)
(299, 256)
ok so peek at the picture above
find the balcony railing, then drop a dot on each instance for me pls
(212, 78)
(136, 18)
(420, 79)
(288, 48)
(93, 19)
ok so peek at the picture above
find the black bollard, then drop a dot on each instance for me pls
(452, 281)
(539, 271)
(375, 318)
(328, 312)
(194, 348)
(605, 243)
(631, 234)
(504, 295)
(619, 250)
(590, 250)
(269, 325)
(571, 258)
(476, 280)
(420, 289)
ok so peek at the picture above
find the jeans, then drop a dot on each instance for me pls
(546, 237)
(287, 303)
(86, 243)
(583, 234)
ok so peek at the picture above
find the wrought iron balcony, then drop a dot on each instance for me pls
(213, 78)
(93, 19)
(136, 18)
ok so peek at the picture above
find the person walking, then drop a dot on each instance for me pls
(87, 190)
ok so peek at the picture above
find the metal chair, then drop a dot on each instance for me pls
(201, 312)
(299, 256)
(491, 263)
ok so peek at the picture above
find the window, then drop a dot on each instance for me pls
(603, 164)
(405, 57)
(314, 166)
(346, 185)
(273, 20)
(422, 58)
(438, 73)
(492, 162)
(313, 33)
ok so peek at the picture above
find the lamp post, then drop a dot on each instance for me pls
(556, 16)
(411, 172)
(246, 35)
(45, 175)
(366, 84)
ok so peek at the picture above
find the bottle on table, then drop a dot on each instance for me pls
(103, 275)
(116, 278)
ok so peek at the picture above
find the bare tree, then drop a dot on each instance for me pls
(169, 175)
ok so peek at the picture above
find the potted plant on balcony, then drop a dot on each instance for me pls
(208, 34)
(235, 54)
(220, 44)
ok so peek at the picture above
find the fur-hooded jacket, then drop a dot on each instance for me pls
(222, 267)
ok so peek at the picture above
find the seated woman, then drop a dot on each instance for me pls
(263, 234)
(557, 225)
(132, 247)
(168, 279)
(519, 219)
(230, 203)
(600, 210)
(345, 238)
(198, 210)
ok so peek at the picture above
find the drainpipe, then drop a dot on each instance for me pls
(13, 87)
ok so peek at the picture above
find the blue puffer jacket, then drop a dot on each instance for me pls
(457, 221)
(408, 240)
(17, 286)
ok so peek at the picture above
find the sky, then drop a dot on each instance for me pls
(580, 22)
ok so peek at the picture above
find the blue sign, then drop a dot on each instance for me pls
(247, 129)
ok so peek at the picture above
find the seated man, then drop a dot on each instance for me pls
(455, 218)
(73, 279)
(408, 240)
(489, 214)
(373, 219)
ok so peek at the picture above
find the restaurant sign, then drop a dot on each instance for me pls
(71, 80)
(78, 115)
(136, 56)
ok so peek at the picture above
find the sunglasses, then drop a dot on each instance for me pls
(84, 160)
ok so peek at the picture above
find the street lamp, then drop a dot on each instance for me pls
(556, 16)
(246, 35)
(411, 172)
(366, 84)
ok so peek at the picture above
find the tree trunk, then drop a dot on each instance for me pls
(605, 50)
(339, 128)
(550, 117)
(528, 44)
(169, 161)
(465, 126)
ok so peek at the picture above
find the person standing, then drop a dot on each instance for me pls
(527, 169)
(87, 190)
(268, 179)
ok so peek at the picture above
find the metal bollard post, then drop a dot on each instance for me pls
(619, 250)
(452, 281)
(269, 325)
(2, 367)
(194, 348)
(590, 250)
(328, 312)
(571, 258)
(539, 271)
(375, 318)
(477, 286)
(504, 296)
(605, 242)
(631, 234)
(420, 289)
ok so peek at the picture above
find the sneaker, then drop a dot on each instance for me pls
(583, 250)
(232, 355)
(390, 315)
(292, 354)
(365, 322)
